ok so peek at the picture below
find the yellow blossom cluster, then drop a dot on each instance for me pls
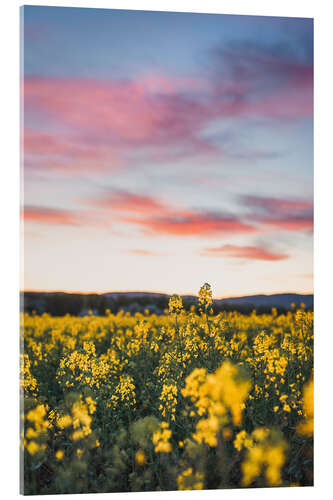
(161, 439)
(305, 428)
(35, 435)
(175, 304)
(96, 388)
(124, 393)
(28, 383)
(205, 296)
(265, 453)
(83, 368)
(168, 400)
(214, 395)
(190, 480)
(79, 418)
(140, 458)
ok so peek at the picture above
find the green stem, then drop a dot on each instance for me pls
(180, 342)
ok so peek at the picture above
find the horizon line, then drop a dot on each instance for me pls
(73, 292)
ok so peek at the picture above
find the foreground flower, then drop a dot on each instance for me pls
(161, 439)
(205, 296)
(175, 304)
(305, 428)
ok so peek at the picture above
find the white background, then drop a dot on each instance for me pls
(321, 10)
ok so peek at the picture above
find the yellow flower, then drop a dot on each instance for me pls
(140, 458)
(175, 304)
(64, 421)
(189, 480)
(59, 455)
(266, 454)
(91, 405)
(205, 296)
(169, 401)
(161, 439)
(305, 428)
(227, 433)
(163, 447)
(32, 447)
(260, 433)
(31, 433)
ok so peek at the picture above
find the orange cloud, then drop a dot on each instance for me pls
(192, 224)
(244, 252)
(145, 253)
(156, 217)
(49, 216)
(123, 201)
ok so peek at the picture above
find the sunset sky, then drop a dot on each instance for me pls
(165, 150)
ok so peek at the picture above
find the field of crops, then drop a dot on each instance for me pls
(185, 400)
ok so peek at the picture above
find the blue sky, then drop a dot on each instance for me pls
(163, 150)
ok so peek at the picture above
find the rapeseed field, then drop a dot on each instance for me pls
(185, 400)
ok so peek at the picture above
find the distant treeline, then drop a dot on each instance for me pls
(60, 304)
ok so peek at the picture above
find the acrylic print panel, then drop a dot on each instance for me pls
(168, 219)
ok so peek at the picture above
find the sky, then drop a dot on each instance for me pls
(164, 150)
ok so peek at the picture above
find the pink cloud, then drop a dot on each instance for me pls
(278, 204)
(62, 217)
(151, 215)
(189, 223)
(244, 252)
(61, 152)
(156, 217)
(105, 122)
(294, 99)
(145, 253)
(291, 223)
(52, 145)
(158, 83)
(119, 111)
(291, 215)
(45, 215)
(123, 201)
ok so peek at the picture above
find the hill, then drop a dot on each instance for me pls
(61, 303)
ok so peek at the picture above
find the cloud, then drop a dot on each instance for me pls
(145, 253)
(152, 216)
(291, 223)
(244, 252)
(62, 217)
(95, 123)
(278, 205)
(45, 215)
(65, 151)
(118, 115)
(253, 79)
(191, 223)
(295, 214)
(124, 201)
(156, 217)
